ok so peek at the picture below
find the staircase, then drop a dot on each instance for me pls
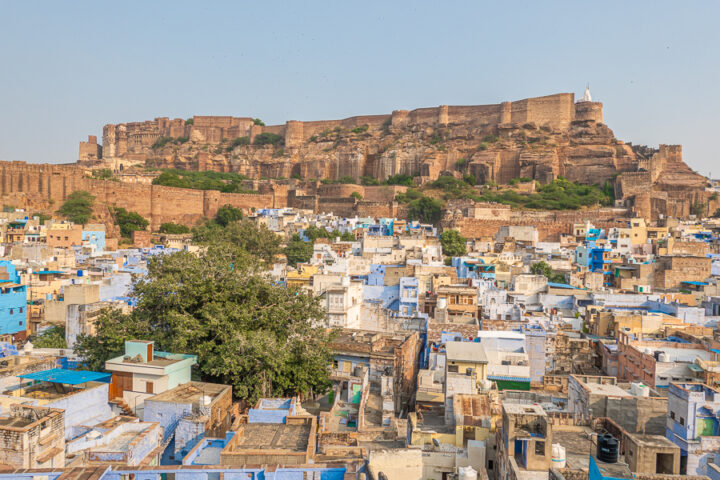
(123, 406)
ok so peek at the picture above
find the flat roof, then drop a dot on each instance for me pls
(67, 377)
(465, 352)
(191, 392)
(273, 436)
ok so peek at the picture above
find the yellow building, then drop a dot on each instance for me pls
(301, 277)
(638, 231)
(466, 358)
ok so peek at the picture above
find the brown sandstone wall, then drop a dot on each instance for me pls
(46, 186)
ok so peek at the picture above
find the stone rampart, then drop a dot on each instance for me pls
(124, 139)
(48, 186)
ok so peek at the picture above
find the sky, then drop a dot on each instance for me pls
(68, 68)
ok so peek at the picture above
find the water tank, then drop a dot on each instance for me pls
(558, 456)
(442, 303)
(640, 390)
(467, 473)
(663, 358)
(607, 448)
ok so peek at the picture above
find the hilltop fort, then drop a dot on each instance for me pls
(537, 139)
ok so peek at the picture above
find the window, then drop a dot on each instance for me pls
(540, 448)
(11, 311)
(452, 368)
(490, 464)
(21, 311)
(672, 415)
(682, 421)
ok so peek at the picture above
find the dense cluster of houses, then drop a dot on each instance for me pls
(592, 357)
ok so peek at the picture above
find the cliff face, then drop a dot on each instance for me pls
(538, 138)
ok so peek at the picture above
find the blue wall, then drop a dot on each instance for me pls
(13, 302)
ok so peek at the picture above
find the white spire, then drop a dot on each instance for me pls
(586, 96)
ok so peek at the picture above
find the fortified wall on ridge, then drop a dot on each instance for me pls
(537, 138)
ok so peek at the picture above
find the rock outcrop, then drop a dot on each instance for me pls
(538, 138)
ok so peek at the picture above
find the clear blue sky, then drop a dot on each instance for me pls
(68, 68)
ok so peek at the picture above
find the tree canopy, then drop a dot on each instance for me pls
(453, 244)
(228, 214)
(53, 337)
(129, 221)
(247, 332)
(173, 228)
(542, 268)
(245, 234)
(425, 209)
(78, 207)
(298, 251)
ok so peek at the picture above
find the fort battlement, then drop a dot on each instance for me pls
(137, 138)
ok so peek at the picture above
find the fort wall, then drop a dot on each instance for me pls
(48, 186)
(556, 111)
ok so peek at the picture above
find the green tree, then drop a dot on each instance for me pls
(174, 228)
(128, 221)
(257, 121)
(298, 251)
(368, 180)
(228, 214)
(77, 207)
(400, 179)
(356, 195)
(425, 209)
(542, 268)
(245, 235)
(42, 217)
(267, 138)
(453, 244)
(247, 332)
(53, 337)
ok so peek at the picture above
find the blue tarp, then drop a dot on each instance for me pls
(67, 377)
(561, 285)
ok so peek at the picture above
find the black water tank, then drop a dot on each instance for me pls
(607, 448)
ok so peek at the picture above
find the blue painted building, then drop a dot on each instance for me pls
(693, 425)
(408, 296)
(272, 410)
(13, 301)
(94, 237)
(468, 267)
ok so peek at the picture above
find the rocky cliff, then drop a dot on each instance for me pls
(538, 138)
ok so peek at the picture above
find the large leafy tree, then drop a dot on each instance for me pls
(78, 207)
(298, 251)
(129, 221)
(542, 268)
(247, 332)
(53, 337)
(228, 214)
(255, 239)
(425, 209)
(453, 244)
